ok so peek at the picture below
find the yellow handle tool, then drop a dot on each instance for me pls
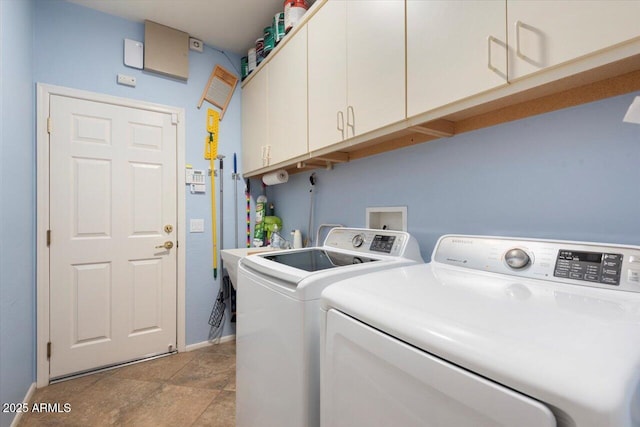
(211, 153)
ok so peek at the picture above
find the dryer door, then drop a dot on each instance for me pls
(372, 379)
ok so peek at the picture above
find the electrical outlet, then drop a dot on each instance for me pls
(126, 80)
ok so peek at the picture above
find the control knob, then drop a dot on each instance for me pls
(357, 240)
(517, 258)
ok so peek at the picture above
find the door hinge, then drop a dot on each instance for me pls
(174, 119)
(48, 124)
(48, 238)
(49, 350)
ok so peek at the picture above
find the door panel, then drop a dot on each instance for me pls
(327, 41)
(113, 189)
(255, 121)
(287, 83)
(375, 64)
(447, 51)
(549, 33)
(373, 379)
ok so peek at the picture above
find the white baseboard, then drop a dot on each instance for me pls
(27, 399)
(205, 344)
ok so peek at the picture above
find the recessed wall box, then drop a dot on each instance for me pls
(166, 50)
(387, 218)
(133, 54)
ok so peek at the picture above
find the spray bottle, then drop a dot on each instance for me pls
(259, 231)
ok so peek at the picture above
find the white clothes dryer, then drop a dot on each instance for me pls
(493, 332)
(278, 318)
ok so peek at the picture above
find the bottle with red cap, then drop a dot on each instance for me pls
(293, 12)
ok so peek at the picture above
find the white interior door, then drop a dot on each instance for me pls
(112, 203)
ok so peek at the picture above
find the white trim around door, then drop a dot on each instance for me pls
(44, 92)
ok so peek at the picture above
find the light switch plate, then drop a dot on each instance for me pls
(196, 226)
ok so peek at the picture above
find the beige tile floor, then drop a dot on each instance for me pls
(197, 388)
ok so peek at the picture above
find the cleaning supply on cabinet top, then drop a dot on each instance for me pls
(278, 27)
(269, 40)
(293, 12)
(259, 50)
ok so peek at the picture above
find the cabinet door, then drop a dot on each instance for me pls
(327, 32)
(448, 48)
(375, 64)
(547, 33)
(255, 115)
(287, 102)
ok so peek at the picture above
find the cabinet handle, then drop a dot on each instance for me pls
(490, 40)
(266, 155)
(351, 123)
(519, 25)
(340, 126)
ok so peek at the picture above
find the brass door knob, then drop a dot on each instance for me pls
(167, 245)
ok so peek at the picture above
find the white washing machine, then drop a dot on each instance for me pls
(493, 332)
(278, 317)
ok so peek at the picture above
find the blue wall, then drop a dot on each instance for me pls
(81, 48)
(59, 43)
(571, 174)
(17, 201)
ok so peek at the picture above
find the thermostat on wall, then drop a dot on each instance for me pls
(133, 54)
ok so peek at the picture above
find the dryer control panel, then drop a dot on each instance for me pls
(598, 267)
(579, 263)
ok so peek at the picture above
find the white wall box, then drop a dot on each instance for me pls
(387, 218)
(133, 54)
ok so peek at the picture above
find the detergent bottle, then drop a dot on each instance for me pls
(259, 230)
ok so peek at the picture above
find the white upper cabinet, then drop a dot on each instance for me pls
(356, 69)
(327, 32)
(287, 103)
(353, 67)
(547, 33)
(455, 49)
(255, 119)
(375, 64)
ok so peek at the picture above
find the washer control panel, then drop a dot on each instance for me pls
(369, 241)
(596, 267)
(579, 263)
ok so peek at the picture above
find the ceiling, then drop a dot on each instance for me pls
(232, 26)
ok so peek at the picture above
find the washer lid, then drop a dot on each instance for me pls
(316, 259)
(575, 348)
(293, 266)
